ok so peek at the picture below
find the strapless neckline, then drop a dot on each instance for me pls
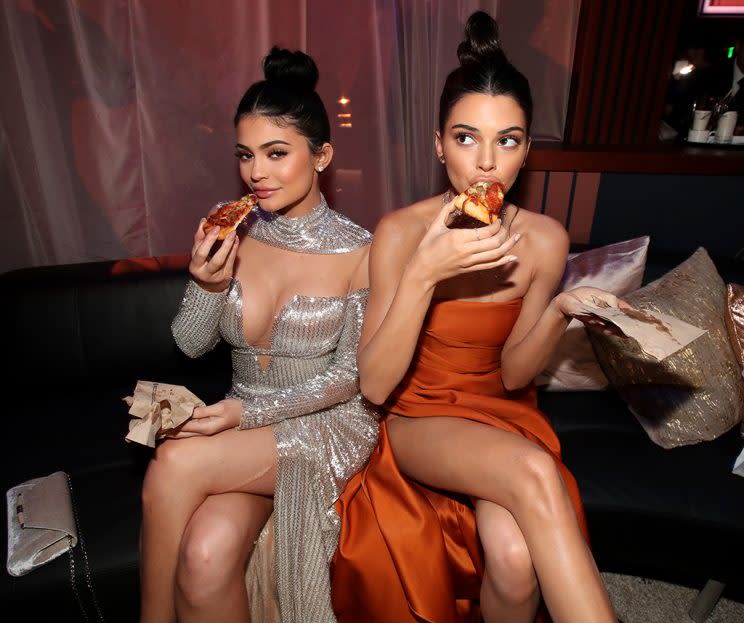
(440, 301)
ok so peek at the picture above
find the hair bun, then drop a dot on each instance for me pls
(295, 70)
(482, 41)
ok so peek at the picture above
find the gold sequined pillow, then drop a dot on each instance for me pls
(695, 394)
(735, 319)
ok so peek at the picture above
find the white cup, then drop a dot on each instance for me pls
(698, 136)
(700, 119)
(725, 127)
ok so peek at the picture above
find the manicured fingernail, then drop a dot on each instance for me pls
(517, 237)
(511, 258)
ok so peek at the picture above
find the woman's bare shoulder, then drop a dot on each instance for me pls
(407, 225)
(543, 232)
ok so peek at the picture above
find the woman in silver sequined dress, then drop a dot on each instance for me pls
(288, 294)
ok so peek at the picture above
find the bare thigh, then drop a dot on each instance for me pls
(463, 456)
(242, 461)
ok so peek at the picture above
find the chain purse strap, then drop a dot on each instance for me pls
(86, 566)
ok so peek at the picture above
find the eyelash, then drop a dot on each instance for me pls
(274, 154)
(462, 135)
(517, 140)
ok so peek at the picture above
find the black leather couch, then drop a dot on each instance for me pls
(78, 337)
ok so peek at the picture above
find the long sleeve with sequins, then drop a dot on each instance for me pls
(196, 325)
(339, 383)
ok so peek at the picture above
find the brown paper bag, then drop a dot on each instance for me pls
(158, 409)
(659, 335)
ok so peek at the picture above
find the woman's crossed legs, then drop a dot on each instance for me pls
(204, 501)
(526, 522)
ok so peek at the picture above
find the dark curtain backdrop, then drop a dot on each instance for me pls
(117, 129)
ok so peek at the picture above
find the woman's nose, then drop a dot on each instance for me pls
(486, 159)
(257, 172)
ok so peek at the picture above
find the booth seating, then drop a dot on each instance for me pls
(78, 337)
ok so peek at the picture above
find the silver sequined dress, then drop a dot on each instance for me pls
(309, 394)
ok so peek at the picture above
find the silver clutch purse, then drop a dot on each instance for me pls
(43, 525)
(41, 522)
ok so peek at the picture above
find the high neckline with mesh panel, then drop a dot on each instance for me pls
(320, 231)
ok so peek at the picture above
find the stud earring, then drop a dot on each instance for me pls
(441, 159)
(320, 168)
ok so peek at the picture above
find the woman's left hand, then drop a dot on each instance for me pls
(571, 303)
(212, 419)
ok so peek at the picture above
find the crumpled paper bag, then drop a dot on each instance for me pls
(659, 335)
(158, 409)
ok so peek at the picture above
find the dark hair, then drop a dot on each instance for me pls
(288, 95)
(485, 69)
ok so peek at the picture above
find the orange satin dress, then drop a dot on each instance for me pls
(409, 553)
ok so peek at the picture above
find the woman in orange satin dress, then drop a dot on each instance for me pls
(465, 509)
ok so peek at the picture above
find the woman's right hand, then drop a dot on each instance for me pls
(444, 252)
(213, 273)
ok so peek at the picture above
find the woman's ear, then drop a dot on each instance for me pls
(323, 157)
(438, 146)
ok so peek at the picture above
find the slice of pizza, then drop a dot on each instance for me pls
(479, 205)
(228, 216)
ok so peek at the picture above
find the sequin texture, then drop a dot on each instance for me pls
(696, 394)
(320, 231)
(308, 393)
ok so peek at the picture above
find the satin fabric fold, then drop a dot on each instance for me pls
(407, 552)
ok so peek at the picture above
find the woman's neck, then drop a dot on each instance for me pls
(303, 206)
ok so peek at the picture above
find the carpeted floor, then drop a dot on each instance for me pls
(638, 600)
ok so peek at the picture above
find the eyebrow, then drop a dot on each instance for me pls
(264, 146)
(470, 128)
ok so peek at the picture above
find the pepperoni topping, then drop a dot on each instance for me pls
(231, 213)
(495, 197)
